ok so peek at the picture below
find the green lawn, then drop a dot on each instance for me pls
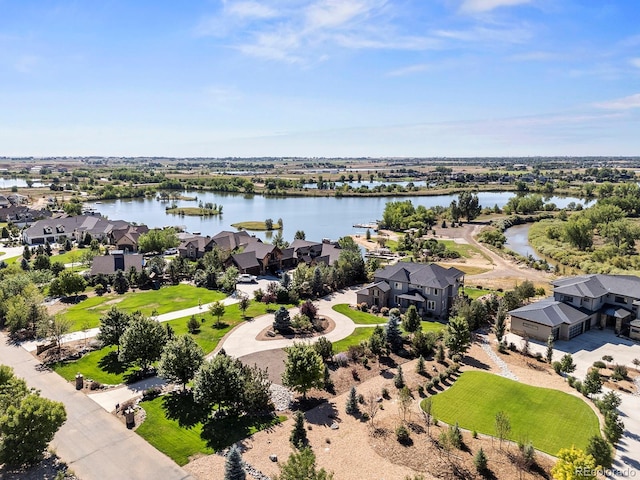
(473, 293)
(168, 299)
(181, 442)
(360, 334)
(432, 326)
(255, 225)
(358, 317)
(100, 365)
(210, 335)
(550, 419)
(464, 249)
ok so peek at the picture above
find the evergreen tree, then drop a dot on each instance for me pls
(440, 353)
(233, 466)
(480, 461)
(457, 337)
(282, 320)
(394, 337)
(298, 435)
(411, 320)
(398, 379)
(420, 365)
(549, 354)
(352, 402)
(500, 326)
(600, 450)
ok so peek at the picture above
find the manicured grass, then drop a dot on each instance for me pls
(210, 335)
(550, 419)
(432, 326)
(358, 317)
(167, 299)
(474, 293)
(360, 334)
(100, 365)
(181, 442)
(258, 226)
(72, 256)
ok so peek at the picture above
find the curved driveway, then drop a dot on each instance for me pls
(242, 341)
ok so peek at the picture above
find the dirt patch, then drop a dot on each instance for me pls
(272, 360)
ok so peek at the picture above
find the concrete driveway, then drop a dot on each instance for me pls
(242, 341)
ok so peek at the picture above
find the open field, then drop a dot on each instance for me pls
(550, 419)
(87, 313)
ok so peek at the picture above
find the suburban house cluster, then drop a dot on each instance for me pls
(250, 255)
(581, 303)
(431, 288)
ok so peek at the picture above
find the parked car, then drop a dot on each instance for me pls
(246, 278)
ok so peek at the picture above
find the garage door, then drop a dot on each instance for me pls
(575, 330)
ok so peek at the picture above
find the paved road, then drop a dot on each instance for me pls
(92, 442)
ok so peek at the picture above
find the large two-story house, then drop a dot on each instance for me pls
(57, 230)
(579, 304)
(431, 288)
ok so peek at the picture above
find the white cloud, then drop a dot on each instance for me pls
(635, 62)
(411, 69)
(624, 103)
(510, 34)
(335, 13)
(537, 56)
(478, 6)
(250, 10)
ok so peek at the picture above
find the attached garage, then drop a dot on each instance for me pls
(550, 317)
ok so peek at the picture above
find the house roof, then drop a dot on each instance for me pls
(261, 250)
(431, 275)
(550, 312)
(597, 285)
(613, 311)
(245, 260)
(78, 223)
(297, 243)
(384, 286)
(227, 240)
(106, 263)
(414, 297)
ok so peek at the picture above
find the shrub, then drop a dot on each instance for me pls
(355, 352)
(298, 435)
(385, 392)
(619, 372)
(364, 307)
(354, 374)
(93, 385)
(151, 393)
(457, 358)
(577, 385)
(341, 360)
(455, 436)
(384, 311)
(538, 356)
(324, 347)
(436, 381)
(351, 407)
(599, 364)
(402, 434)
(193, 325)
(421, 390)
(420, 365)
(557, 366)
(474, 434)
(570, 380)
(375, 310)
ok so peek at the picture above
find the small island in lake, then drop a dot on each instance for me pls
(206, 210)
(267, 225)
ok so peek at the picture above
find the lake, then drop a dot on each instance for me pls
(17, 182)
(518, 241)
(319, 217)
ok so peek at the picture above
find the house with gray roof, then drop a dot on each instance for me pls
(59, 229)
(579, 304)
(430, 287)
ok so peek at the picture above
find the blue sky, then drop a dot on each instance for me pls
(320, 77)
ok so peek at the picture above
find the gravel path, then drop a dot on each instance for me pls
(504, 368)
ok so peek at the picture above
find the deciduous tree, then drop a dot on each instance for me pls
(457, 337)
(574, 464)
(142, 342)
(180, 360)
(303, 369)
(112, 326)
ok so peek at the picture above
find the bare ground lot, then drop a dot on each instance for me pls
(355, 451)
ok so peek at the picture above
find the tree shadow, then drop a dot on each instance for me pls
(219, 326)
(181, 406)
(323, 414)
(110, 364)
(219, 433)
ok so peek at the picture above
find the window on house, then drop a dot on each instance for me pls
(435, 291)
(620, 300)
(431, 305)
(567, 299)
(398, 285)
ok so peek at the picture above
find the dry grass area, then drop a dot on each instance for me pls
(356, 450)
